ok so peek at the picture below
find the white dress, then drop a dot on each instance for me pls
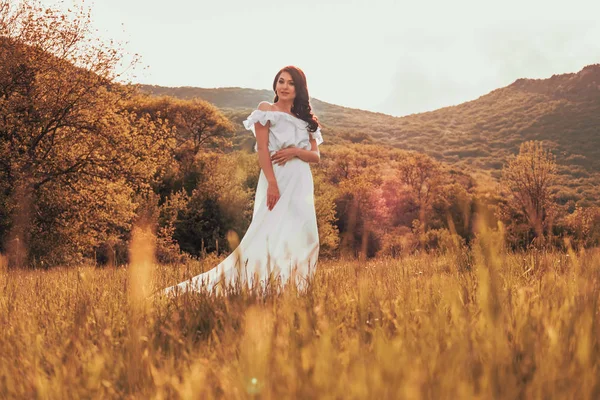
(282, 243)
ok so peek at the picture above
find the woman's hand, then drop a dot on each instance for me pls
(284, 155)
(272, 195)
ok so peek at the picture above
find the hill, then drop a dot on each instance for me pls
(563, 111)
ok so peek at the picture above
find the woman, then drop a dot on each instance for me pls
(282, 241)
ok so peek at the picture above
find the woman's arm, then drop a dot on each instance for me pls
(310, 156)
(262, 143)
(284, 155)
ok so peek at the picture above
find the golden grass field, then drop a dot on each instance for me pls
(507, 326)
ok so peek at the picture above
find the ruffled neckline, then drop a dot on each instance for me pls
(300, 123)
(283, 112)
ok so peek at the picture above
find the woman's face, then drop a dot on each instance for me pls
(285, 87)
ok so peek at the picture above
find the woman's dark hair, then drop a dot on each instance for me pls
(301, 107)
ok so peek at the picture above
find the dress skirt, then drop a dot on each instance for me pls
(280, 246)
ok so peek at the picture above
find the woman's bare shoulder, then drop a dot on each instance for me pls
(265, 106)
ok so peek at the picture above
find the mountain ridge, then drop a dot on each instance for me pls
(563, 111)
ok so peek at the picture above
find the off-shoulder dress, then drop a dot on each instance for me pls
(281, 244)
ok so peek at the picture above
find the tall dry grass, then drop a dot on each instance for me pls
(489, 324)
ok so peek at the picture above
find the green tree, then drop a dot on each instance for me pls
(527, 179)
(355, 170)
(72, 157)
(198, 123)
(220, 202)
(196, 126)
(423, 177)
(325, 207)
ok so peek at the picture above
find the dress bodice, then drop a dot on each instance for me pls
(285, 130)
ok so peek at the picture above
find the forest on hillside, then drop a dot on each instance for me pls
(85, 159)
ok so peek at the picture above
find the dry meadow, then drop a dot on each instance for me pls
(481, 324)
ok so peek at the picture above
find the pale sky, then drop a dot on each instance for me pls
(395, 57)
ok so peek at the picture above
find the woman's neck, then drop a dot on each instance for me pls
(285, 106)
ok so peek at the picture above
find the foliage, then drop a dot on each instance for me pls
(198, 123)
(381, 192)
(220, 202)
(583, 227)
(423, 178)
(68, 149)
(325, 194)
(527, 179)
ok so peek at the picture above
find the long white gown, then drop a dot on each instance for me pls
(282, 243)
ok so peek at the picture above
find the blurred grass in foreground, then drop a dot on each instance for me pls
(502, 325)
